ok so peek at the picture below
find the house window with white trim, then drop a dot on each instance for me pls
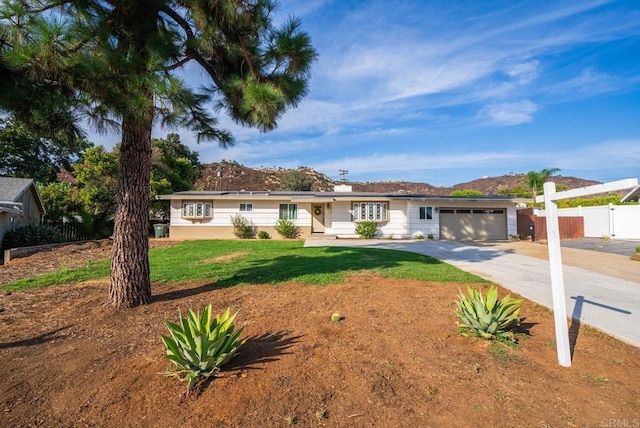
(370, 211)
(288, 212)
(246, 207)
(426, 213)
(196, 210)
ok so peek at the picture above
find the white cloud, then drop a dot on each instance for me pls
(599, 157)
(588, 81)
(509, 113)
(523, 73)
(602, 156)
(403, 162)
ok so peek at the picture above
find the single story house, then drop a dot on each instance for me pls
(20, 204)
(207, 214)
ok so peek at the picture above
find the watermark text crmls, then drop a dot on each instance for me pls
(620, 423)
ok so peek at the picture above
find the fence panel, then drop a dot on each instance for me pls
(71, 232)
(570, 227)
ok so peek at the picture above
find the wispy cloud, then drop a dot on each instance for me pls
(509, 113)
(624, 153)
(492, 58)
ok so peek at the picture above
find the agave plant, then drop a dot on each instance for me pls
(486, 316)
(199, 345)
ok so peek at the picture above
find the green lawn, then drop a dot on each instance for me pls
(229, 263)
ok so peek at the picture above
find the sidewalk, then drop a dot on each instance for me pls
(602, 301)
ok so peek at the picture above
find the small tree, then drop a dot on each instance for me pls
(296, 181)
(367, 229)
(242, 227)
(25, 154)
(466, 192)
(60, 200)
(535, 180)
(287, 229)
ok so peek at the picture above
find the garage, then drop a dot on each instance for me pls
(473, 223)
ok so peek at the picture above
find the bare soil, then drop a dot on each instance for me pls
(395, 360)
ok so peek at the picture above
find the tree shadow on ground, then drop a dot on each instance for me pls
(184, 292)
(37, 340)
(344, 260)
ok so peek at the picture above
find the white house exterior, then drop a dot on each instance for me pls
(207, 214)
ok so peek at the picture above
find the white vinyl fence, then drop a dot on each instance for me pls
(613, 221)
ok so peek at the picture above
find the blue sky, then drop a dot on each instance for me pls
(445, 92)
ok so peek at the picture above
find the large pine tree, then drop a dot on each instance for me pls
(115, 62)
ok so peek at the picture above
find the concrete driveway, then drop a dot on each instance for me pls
(602, 301)
(613, 246)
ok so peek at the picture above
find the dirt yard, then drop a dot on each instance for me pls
(395, 360)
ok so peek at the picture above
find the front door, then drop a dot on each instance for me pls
(317, 218)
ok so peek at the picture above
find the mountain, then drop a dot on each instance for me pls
(230, 175)
(497, 185)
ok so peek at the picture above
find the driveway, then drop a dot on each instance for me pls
(613, 246)
(608, 303)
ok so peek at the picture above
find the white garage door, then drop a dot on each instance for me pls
(473, 223)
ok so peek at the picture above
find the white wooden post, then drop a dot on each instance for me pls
(557, 279)
(555, 255)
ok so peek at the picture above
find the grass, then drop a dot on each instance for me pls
(503, 355)
(244, 262)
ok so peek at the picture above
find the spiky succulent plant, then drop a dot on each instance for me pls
(199, 345)
(486, 316)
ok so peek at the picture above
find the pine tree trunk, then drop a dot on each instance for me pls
(130, 283)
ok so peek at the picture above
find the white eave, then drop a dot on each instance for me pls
(326, 197)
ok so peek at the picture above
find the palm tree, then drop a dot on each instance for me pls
(535, 180)
(116, 62)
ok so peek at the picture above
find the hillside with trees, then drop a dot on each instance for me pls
(230, 175)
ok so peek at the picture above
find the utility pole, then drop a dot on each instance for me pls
(343, 174)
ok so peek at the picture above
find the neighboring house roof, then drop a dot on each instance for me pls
(12, 189)
(325, 196)
(633, 195)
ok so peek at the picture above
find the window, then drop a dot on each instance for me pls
(288, 212)
(426, 213)
(369, 211)
(246, 207)
(196, 210)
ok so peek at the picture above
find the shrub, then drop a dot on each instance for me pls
(287, 229)
(199, 345)
(242, 227)
(32, 234)
(367, 229)
(638, 250)
(418, 236)
(486, 316)
(263, 235)
(430, 236)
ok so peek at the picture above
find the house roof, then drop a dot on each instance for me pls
(633, 195)
(11, 189)
(326, 196)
